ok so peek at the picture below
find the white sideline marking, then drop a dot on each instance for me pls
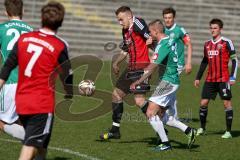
(65, 150)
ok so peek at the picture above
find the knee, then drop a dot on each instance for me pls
(227, 104)
(204, 102)
(116, 96)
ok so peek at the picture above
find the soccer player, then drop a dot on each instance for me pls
(164, 95)
(179, 38)
(38, 54)
(10, 31)
(217, 53)
(135, 33)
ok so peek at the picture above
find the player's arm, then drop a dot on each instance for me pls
(9, 65)
(119, 59)
(142, 28)
(147, 72)
(159, 57)
(66, 73)
(234, 60)
(201, 70)
(187, 42)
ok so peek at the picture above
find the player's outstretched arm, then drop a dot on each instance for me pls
(147, 72)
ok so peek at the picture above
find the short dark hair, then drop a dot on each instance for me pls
(52, 15)
(123, 9)
(158, 23)
(217, 21)
(169, 10)
(14, 7)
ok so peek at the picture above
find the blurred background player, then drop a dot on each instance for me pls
(38, 54)
(217, 53)
(135, 33)
(164, 95)
(10, 31)
(178, 37)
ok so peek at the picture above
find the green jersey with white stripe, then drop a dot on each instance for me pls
(10, 31)
(165, 55)
(176, 34)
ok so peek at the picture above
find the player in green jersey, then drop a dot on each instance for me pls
(179, 39)
(164, 96)
(10, 31)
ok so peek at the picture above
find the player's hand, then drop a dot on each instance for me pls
(232, 80)
(133, 86)
(149, 41)
(116, 69)
(188, 68)
(196, 83)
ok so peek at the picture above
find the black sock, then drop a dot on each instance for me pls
(117, 109)
(203, 111)
(229, 117)
(188, 130)
(144, 107)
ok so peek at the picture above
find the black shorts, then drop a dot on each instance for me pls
(38, 128)
(128, 77)
(210, 90)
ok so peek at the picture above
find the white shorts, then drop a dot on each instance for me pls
(7, 103)
(165, 94)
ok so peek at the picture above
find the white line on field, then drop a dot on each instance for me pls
(65, 150)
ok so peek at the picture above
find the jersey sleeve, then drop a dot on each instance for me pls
(10, 64)
(66, 74)
(203, 65)
(141, 27)
(231, 48)
(184, 35)
(160, 54)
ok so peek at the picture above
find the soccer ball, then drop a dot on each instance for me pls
(86, 87)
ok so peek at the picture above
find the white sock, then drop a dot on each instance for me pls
(15, 130)
(157, 125)
(173, 122)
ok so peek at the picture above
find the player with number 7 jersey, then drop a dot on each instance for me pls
(38, 54)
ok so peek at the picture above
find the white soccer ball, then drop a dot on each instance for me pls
(86, 87)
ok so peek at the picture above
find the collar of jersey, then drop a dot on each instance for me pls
(174, 25)
(46, 32)
(15, 19)
(214, 42)
(132, 23)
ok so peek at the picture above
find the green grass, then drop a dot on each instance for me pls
(77, 128)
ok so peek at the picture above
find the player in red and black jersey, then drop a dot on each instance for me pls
(38, 54)
(217, 53)
(135, 33)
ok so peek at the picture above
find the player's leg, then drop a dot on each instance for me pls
(157, 124)
(121, 90)
(38, 129)
(27, 152)
(209, 91)
(8, 116)
(226, 95)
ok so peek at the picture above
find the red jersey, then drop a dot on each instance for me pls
(134, 39)
(37, 54)
(218, 54)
